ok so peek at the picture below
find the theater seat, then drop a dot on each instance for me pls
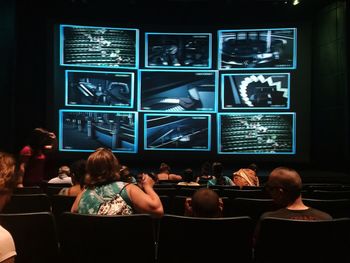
(189, 239)
(95, 238)
(28, 203)
(286, 240)
(34, 235)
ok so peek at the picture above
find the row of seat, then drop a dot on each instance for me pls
(238, 206)
(141, 238)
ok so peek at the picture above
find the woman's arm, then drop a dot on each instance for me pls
(146, 201)
(75, 205)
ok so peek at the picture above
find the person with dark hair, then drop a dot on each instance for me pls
(284, 185)
(205, 175)
(246, 176)
(34, 157)
(204, 203)
(8, 181)
(164, 174)
(218, 175)
(188, 177)
(126, 175)
(105, 194)
(77, 172)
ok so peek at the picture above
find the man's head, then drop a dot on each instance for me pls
(7, 177)
(284, 185)
(206, 203)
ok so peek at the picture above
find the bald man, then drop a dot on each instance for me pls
(284, 185)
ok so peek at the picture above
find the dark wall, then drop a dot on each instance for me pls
(7, 63)
(330, 95)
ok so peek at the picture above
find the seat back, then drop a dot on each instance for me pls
(252, 207)
(337, 208)
(95, 238)
(190, 239)
(61, 204)
(34, 235)
(251, 193)
(327, 194)
(28, 190)
(28, 203)
(286, 240)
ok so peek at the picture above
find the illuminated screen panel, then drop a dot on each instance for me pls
(99, 46)
(255, 91)
(256, 133)
(178, 91)
(86, 130)
(99, 89)
(177, 132)
(257, 49)
(178, 50)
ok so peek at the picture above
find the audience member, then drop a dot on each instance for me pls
(205, 175)
(164, 174)
(126, 175)
(7, 183)
(188, 177)
(103, 184)
(246, 176)
(218, 175)
(63, 177)
(34, 166)
(284, 185)
(204, 203)
(77, 172)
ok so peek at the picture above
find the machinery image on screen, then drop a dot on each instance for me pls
(99, 46)
(87, 130)
(186, 50)
(99, 88)
(177, 132)
(256, 91)
(177, 91)
(257, 49)
(256, 133)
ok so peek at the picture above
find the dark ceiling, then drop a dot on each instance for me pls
(178, 11)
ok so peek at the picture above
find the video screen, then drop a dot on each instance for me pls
(256, 91)
(99, 46)
(184, 50)
(256, 133)
(177, 132)
(257, 49)
(99, 89)
(87, 130)
(177, 91)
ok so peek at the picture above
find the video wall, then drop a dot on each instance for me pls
(221, 92)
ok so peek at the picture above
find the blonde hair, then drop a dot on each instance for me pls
(7, 171)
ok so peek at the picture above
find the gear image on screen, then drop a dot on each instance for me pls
(177, 91)
(256, 91)
(249, 49)
(256, 133)
(99, 89)
(177, 132)
(190, 50)
(87, 130)
(99, 46)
